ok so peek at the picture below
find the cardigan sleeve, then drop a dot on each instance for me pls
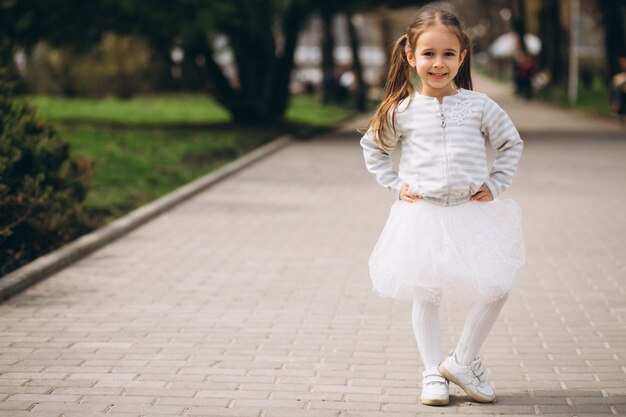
(378, 162)
(504, 138)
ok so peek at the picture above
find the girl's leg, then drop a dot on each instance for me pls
(464, 368)
(425, 319)
(478, 324)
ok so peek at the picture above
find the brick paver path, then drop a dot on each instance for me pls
(253, 299)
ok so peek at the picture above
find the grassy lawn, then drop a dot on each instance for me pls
(145, 147)
(147, 110)
(134, 166)
(594, 98)
(172, 110)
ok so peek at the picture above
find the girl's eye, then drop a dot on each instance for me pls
(449, 53)
(428, 54)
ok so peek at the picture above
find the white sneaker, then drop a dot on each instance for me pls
(471, 378)
(434, 388)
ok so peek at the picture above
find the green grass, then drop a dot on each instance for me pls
(146, 110)
(594, 98)
(173, 110)
(307, 111)
(133, 166)
(145, 147)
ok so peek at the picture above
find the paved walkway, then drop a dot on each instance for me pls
(253, 299)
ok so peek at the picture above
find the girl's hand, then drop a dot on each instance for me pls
(483, 194)
(406, 196)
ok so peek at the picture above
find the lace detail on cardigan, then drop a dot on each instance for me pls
(461, 111)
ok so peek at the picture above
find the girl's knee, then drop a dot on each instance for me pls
(494, 295)
(427, 295)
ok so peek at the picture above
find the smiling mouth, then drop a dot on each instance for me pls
(438, 75)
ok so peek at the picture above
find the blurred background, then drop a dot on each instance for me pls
(251, 50)
(108, 104)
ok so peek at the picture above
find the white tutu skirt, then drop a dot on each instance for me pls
(472, 251)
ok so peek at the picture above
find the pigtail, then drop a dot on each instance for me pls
(397, 88)
(463, 78)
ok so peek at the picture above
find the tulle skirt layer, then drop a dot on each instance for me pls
(472, 250)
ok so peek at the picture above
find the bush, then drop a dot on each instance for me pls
(118, 65)
(42, 189)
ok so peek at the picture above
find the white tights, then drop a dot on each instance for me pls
(478, 324)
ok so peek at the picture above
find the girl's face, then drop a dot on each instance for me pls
(437, 58)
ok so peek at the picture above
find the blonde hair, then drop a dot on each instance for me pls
(398, 85)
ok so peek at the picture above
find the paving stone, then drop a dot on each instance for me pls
(252, 299)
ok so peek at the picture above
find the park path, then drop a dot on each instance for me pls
(252, 299)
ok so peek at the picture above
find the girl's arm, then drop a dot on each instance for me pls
(379, 163)
(505, 139)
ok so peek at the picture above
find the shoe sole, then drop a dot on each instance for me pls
(432, 401)
(475, 396)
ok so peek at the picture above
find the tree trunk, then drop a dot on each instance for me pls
(255, 54)
(615, 44)
(247, 103)
(519, 21)
(262, 95)
(329, 78)
(386, 27)
(192, 77)
(292, 22)
(550, 32)
(164, 63)
(361, 93)
(212, 73)
(495, 24)
(9, 73)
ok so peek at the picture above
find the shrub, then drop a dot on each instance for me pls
(118, 65)
(42, 188)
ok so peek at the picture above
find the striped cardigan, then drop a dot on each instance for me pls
(443, 155)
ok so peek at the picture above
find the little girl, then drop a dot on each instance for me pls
(446, 233)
